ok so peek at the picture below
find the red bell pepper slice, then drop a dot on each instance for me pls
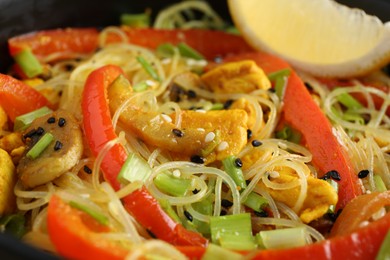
(302, 113)
(98, 131)
(69, 43)
(17, 98)
(76, 235)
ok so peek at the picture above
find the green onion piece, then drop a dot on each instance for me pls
(279, 74)
(216, 252)
(187, 51)
(167, 207)
(29, 64)
(289, 134)
(232, 30)
(353, 117)
(40, 146)
(234, 171)
(282, 238)
(379, 184)
(384, 251)
(335, 186)
(280, 85)
(13, 224)
(212, 145)
(227, 230)
(140, 86)
(136, 20)
(204, 207)
(255, 201)
(134, 169)
(349, 101)
(172, 185)
(25, 120)
(99, 217)
(217, 106)
(148, 68)
(166, 50)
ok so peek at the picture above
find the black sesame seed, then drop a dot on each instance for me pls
(177, 132)
(226, 203)
(188, 215)
(195, 191)
(325, 177)
(223, 212)
(271, 90)
(248, 134)
(334, 175)
(308, 86)
(151, 234)
(61, 122)
(363, 174)
(228, 104)
(87, 169)
(40, 131)
(51, 120)
(58, 145)
(248, 182)
(191, 94)
(197, 159)
(262, 213)
(256, 143)
(30, 134)
(238, 162)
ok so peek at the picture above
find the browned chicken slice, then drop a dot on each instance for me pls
(7, 183)
(59, 157)
(193, 137)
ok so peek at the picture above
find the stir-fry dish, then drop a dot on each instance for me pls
(178, 140)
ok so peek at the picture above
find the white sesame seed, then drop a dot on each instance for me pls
(364, 223)
(200, 111)
(166, 118)
(166, 61)
(222, 146)
(176, 173)
(368, 192)
(274, 174)
(201, 129)
(209, 137)
(150, 83)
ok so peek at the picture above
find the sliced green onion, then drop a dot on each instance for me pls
(379, 184)
(216, 252)
(384, 251)
(234, 171)
(279, 74)
(99, 217)
(255, 201)
(172, 185)
(187, 51)
(136, 20)
(217, 106)
(232, 30)
(29, 64)
(280, 85)
(204, 207)
(134, 169)
(167, 207)
(349, 101)
(166, 50)
(13, 224)
(282, 238)
(227, 230)
(353, 117)
(289, 134)
(25, 120)
(40, 146)
(148, 68)
(140, 86)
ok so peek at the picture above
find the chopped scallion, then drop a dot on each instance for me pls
(232, 30)
(279, 74)
(289, 134)
(335, 186)
(384, 251)
(13, 224)
(136, 20)
(349, 101)
(187, 51)
(25, 120)
(172, 185)
(148, 68)
(141, 86)
(379, 184)
(135, 168)
(234, 171)
(216, 252)
(29, 64)
(255, 201)
(99, 217)
(167, 207)
(204, 207)
(40, 146)
(217, 106)
(282, 238)
(166, 50)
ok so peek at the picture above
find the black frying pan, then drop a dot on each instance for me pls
(21, 16)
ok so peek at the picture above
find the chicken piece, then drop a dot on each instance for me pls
(14, 145)
(59, 157)
(236, 77)
(320, 194)
(7, 183)
(244, 104)
(3, 120)
(154, 128)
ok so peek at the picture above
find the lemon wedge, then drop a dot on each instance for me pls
(321, 37)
